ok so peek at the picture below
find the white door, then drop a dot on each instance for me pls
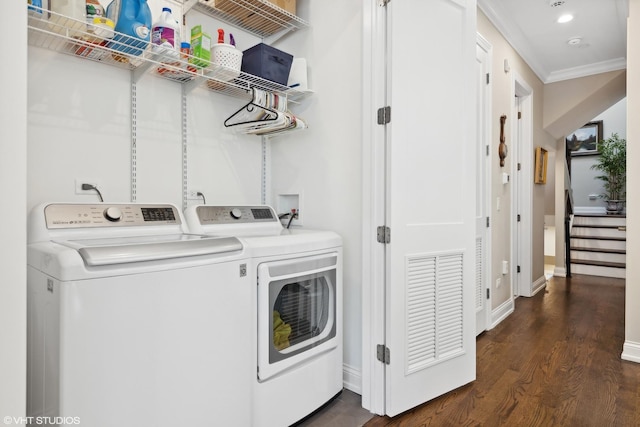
(482, 299)
(431, 156)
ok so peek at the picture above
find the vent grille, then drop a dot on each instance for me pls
(434, 309)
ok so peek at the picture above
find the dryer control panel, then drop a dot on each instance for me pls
(235, 214)
(109, 215)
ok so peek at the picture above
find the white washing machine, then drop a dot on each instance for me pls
(134, 323)
(298, 309)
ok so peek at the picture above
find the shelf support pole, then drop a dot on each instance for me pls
(185, 157)
(134, 141)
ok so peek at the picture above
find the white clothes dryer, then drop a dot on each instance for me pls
(298, 305)
(134, 323)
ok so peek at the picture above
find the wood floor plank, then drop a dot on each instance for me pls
(554, 362)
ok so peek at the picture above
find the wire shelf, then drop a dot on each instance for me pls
(52, 31)
(258, 17)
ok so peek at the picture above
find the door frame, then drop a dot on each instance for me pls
(484, 108)
(521, 187)
(373, 205)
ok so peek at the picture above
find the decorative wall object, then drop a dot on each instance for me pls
(502, 148)
(540, 176)
(584, 141)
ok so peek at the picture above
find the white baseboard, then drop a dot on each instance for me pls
(589, 210)
(352, 379)
(501, 313)
(631, 351)
(560, 272)
(538, 285)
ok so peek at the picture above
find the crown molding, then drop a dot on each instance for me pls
(587, 70)
(515, 37)
(518, 40)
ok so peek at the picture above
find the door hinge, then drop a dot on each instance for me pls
(519, 166)
(487, 150)
(488, 293)
(488, 78)
(384, 115)
(488, 222)
(384, 234)
(519, 115)
(518, 269)
(384, 354)
(518, 218)
(383, 3)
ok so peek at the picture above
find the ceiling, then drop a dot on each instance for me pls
(530, 27)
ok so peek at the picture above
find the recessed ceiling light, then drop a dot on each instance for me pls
(574, 41)
(565, 18)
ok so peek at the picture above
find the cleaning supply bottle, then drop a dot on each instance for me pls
(62, 10)
(165, 35)
(35, 7)
(133, 26)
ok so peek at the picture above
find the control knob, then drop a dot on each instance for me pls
(113, 214)
(236, 213)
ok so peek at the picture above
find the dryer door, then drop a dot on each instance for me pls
(296, 311)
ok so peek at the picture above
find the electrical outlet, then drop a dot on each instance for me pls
(193, 195)
(79, 182)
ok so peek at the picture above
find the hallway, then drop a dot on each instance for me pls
(554, 362)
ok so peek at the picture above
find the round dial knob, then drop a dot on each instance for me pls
(236, 213)
(113, 214)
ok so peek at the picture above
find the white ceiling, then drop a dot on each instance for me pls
(530, 27)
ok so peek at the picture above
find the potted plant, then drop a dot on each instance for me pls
(612, 162)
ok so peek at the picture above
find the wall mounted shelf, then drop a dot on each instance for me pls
(76, 38)
(258, 17)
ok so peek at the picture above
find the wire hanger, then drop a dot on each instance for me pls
(265, 114)
(260, 109)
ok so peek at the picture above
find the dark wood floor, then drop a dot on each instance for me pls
(554, 362)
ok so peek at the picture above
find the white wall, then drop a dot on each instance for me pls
(75, 133)
(13, 188)
(79, 128)
(583, 181)
(631, 349)
(324, 162)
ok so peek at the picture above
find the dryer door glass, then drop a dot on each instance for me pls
(303, 313)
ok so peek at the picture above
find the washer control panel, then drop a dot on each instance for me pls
(109, 215)
(235, 214)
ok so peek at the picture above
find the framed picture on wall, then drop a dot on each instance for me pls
(584, 141)
(542, 156)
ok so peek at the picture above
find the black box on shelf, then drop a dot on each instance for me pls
(268, 63)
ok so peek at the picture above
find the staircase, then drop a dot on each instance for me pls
(598, 245)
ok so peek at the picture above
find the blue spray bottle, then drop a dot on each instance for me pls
(133, 23)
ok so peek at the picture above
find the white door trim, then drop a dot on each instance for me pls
(521, 188)
(373, 205)
(485, 109)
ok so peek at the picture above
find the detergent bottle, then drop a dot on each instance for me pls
(133, 26)
(165, 36)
